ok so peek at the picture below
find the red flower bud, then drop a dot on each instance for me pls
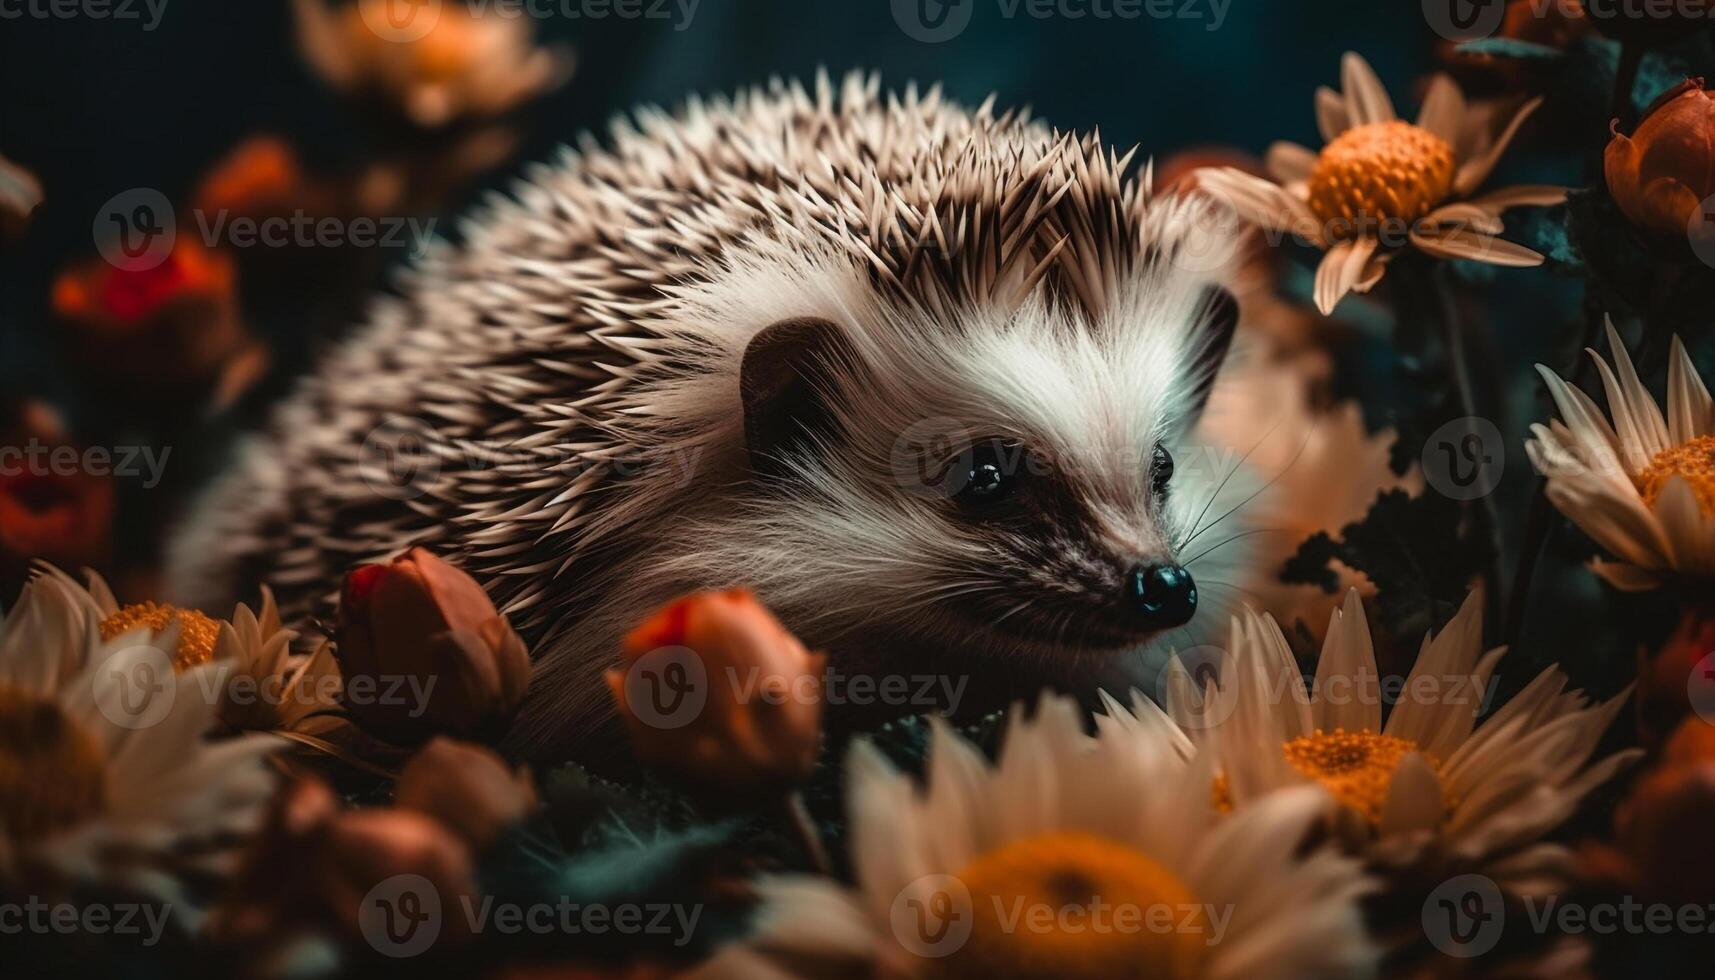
(424, 651)
(1666, 680)
(718, 695)
(47, 511)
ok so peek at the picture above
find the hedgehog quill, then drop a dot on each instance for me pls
(913, 373)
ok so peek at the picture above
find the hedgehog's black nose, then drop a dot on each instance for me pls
(1162, 595)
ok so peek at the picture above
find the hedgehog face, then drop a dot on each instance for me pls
(1004, 482)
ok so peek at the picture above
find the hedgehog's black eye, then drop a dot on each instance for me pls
(988, 474)
(1160, 470)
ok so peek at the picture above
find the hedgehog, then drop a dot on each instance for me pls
(913, 373)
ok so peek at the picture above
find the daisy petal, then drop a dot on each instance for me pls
(1366, 99)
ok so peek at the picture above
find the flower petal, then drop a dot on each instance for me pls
(1443, 107)
(1475, 170)
(1366, 100)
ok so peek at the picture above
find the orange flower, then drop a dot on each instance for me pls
(1665, 680)
(425, 652)
(1661, 174)
(315, 866)
(466, 787)
(717, 694)
(261, 176)
(440, 64)
(174, 325)
(47, 512)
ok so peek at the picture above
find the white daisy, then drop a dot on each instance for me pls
(1381, 183)
(105, 772)
(1073, 857)
(1429, 783)
(1642, 486)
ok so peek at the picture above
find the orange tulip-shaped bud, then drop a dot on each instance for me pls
(424, 652)
(466, 787)
(1662, 173)
(719, 696)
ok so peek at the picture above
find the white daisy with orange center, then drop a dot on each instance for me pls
(1381, 184)
(1074, 857)
(1429, 780)
(105, 769)
(1641, 484)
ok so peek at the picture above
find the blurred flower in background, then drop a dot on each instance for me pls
(20, 195)
(456, 62)
(170, 330)
(105, 772)
(48, 512)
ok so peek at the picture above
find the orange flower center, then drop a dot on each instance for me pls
(1693, 462)
(1355, 767)
(53, 772)
(1379, 172)
(197, 633)
(1073, 905)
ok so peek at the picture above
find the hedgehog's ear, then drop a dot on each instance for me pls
(1217, 319)
(784, 382)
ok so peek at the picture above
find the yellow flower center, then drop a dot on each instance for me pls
(53, 772)
(197, 633)
(1693, 462)
(1070, 905)
(1356, 767)
(1379, 172)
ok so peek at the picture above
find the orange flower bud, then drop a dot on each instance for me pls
(47, 512)
(717, 694)
(466, 787)
(315, 866)
(1668, 681)
(260, 176)
(172, 325)
(1693, 742)
(1662, 833)
(1661, 174)
(424, 651)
